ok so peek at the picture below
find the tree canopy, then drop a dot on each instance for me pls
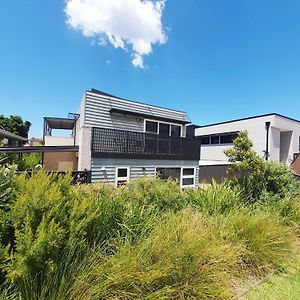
(16, 125)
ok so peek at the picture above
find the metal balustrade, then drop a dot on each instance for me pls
(112, 143)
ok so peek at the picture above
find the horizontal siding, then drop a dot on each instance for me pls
(139, 172)
(104, 176)
(138, 167)
(97, 113)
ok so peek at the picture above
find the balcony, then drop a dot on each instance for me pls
(111, 143)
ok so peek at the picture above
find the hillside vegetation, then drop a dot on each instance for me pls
(147, 239)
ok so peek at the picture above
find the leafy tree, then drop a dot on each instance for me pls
(16, 125)
(253, 175)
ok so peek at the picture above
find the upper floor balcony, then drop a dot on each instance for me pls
(111, 143)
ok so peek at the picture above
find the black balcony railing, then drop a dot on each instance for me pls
(111, 143)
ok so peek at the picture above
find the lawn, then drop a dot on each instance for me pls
(280, 286)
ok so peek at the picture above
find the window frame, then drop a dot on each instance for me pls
(194, 185)
(187, 177)
(163, 122)
(124, 178)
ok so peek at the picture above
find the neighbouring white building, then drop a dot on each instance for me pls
(275, 137)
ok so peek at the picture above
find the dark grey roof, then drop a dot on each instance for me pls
(60, 123)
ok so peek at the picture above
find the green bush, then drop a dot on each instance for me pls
(215, 199)
(254, 176)
(181, 259)
(265, 242)
(145, 240)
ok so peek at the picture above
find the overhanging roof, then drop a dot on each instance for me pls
(145, 115)
(60, 123)
(11, 135)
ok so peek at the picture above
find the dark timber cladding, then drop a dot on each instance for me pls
(111, 143)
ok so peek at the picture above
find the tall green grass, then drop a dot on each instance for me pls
(146, 240)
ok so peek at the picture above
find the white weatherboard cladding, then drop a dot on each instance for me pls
(104, 169)
(97, 113)
(279, 143)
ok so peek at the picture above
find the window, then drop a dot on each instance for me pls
(164, 129)
(227, 138)
(175, 130)
(188, 177)
(151, 126)
(205, 140)
(215, 139)
(166, 173)
(122, 176)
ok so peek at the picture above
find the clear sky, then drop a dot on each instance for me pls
(214, 59)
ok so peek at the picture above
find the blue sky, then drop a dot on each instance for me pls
(221, 59)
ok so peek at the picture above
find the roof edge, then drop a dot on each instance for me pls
(247, 118)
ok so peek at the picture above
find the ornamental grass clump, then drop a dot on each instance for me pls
(181, 259)
(215, 199)
(266, 243)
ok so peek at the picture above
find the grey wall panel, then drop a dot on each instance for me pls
(139, 172)
(97, 113)
(104, 169)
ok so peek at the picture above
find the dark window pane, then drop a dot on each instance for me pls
(175, 130)
(215, 139)
(187, 181)
(151, 126)
(228, 138)
(204, 140)
(122, 172)
(189, 171)
(165, 173)
(164, 129)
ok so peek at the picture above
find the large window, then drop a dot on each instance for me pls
(122, 175)
(176, 130)
(162, 128)
(166, 173)
(217, 139)
(151, 127)
(186, 176)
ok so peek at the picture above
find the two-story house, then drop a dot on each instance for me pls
(119, 140)
(275, 137)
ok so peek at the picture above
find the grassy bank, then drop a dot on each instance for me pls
(145, 240)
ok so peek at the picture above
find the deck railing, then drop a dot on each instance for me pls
(111, 143)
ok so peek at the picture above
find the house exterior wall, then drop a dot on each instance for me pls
(59, 141)
(84, 158)
(97, 113)
(278, 140)
(104, 170)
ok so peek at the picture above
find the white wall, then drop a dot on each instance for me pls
(59, 141)
(257, 133)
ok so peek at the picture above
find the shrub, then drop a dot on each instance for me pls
(215, 199)
(163, 194)
(181, 259)
(265, 242)
(253, 175)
